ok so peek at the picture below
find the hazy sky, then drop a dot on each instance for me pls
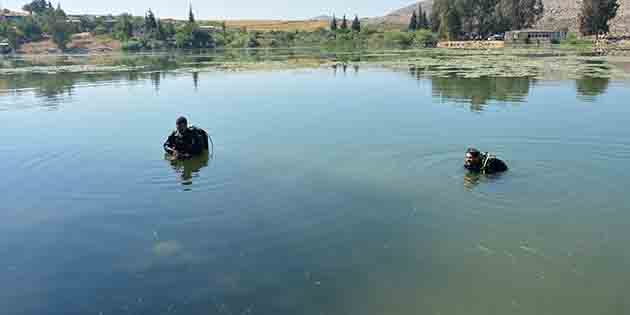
(229, 9)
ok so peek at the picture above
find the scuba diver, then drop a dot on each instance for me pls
(186, 142)
(484, 163)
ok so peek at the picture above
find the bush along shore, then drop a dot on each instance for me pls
(45, 29)
(49, 30)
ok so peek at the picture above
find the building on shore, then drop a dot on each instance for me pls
(210, 29)
(11, 16)
(532, 36)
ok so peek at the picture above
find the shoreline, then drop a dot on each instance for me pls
(537, 64)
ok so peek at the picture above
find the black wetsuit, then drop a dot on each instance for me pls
(492, 166)
(187, 142)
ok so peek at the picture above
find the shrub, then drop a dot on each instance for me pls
(131, 45)
(425, 38)
(404, 39)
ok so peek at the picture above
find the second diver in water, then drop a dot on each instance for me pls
(186, 142)
(484, 163)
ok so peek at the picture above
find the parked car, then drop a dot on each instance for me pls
(497, 37)
(5, 48)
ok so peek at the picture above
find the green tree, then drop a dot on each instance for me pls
(450, 25)
(87, 24)
(169, 29)
(426, 21)
(356, 24)
(30, 29)
(595, 16)
(421, 19)
(59, 12)
(14, 36)
(252, 42)
(160, 32)
(333, 23)
(191, 15)
(150, 23)
(344, 23)
(36, 6)
(61, 32)
(184, 38)
(413, 22)
(123, 30)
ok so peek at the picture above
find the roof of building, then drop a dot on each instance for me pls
(8, 13)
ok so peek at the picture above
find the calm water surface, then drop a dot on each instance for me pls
(328, 193)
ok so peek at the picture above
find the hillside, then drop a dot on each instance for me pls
(558, 14)
(277, 25)
(401, 16)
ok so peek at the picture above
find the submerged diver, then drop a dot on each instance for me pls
(485, 163)
(186, 142)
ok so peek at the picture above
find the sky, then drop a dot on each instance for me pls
(229, 9)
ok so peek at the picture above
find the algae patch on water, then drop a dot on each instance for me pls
(524, 63)
(167, 248)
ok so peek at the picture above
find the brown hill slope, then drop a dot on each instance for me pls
(558, 14)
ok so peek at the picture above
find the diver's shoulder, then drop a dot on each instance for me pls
(497, 165)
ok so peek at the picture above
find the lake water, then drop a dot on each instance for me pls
(329, 192)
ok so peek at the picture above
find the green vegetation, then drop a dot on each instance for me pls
(595, 16)
(450, 20)
(477, 19)
(44, 20)
(418, 21)
(573, 42)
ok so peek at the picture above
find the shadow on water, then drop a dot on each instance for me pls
(189, 168)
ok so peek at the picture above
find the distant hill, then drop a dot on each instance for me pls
(402, 15)
(564, 14)
(322, 18)
(559, 14)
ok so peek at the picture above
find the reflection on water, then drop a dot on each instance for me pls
(588, 88)
(189, 168)
(195, 75)
(155, 80)
(477, 92)
(333, 195)
(471, 180)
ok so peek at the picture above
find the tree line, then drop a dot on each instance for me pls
(478, 19)
(595, 16)
(453, 19)
(336, 26)
(418, 21)
(43, 19)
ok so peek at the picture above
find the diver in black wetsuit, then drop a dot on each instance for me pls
(484, 163)
(186, 142)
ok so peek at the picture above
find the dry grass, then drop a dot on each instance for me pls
(84, 42)
(276, 25)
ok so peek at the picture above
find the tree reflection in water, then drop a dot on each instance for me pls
(588, 88)
(477, 92)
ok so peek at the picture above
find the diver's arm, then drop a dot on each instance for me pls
(168, 145)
